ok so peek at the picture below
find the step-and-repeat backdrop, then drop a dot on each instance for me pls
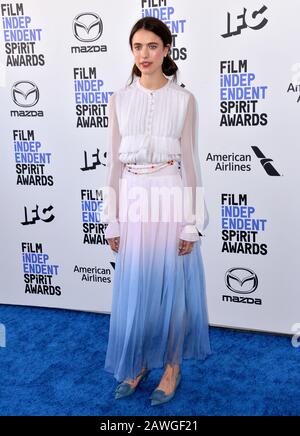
(60, 63)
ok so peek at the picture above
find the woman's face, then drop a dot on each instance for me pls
(148, 51)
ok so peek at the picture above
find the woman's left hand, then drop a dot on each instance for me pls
(184, 247)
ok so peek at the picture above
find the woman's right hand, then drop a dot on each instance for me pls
(114, 243)
(185, 247)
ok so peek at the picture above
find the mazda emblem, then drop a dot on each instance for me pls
(84, 23)
(25, 93)
(241, 280)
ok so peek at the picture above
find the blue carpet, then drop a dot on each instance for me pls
(53, 365)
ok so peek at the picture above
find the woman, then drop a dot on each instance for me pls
(159, 313)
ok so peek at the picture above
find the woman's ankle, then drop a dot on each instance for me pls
(171, 370)
(137, 378)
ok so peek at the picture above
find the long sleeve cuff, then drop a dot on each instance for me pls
(190, 233)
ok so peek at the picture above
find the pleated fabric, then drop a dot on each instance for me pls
(159, 310)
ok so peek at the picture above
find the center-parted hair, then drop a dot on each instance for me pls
(160, 29)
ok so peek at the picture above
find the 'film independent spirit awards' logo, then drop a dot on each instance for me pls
(240, 96)
(91, 98)
(31, 160)
(241, 229)
(242, 281)
(21, 39)
(39, 272)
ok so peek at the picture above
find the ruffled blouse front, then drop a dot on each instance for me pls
(152, 126)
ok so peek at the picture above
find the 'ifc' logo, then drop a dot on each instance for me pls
(87, 27)
(241, 280)
(25, 93)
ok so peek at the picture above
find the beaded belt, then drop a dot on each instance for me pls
(147, 168)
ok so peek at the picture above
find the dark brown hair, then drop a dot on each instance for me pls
(158, 27)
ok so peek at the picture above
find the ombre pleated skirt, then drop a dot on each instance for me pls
(159, 310)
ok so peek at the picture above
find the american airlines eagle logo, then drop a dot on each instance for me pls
(265, 162)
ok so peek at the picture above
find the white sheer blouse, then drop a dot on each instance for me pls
(153, 126)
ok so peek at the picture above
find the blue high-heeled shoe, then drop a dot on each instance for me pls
(124, 389)
(159, 396)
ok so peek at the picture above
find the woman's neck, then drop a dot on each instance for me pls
(152, 82)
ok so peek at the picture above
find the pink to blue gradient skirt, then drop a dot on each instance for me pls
(159, 311)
